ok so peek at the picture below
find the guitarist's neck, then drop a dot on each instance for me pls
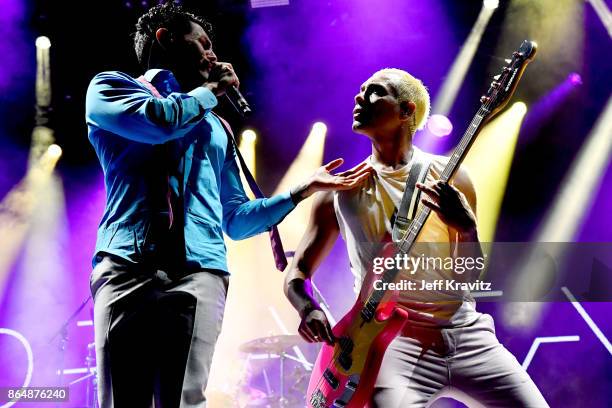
(392, 152)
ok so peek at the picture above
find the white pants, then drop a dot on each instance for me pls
(466, 363)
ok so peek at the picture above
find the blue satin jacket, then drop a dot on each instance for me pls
(126, 125)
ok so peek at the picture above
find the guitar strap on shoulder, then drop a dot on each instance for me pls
(410, 199)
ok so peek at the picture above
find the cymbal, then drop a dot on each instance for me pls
(271, 344)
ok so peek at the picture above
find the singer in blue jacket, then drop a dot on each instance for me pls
(173, 187)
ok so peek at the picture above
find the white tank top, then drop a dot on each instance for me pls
(364, 217)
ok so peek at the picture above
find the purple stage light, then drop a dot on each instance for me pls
(439, 125)
(350, 55)
(543, 110)
(574, 78)
(14, 43)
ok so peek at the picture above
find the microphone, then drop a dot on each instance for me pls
(238, 101)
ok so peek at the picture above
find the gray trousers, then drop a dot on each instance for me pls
(155, 334)
(465, 363)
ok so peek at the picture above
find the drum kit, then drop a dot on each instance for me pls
(276, 353)
(276, 375)
(290, 388)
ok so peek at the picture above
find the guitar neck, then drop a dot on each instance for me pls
(462, 148)
(453, 164)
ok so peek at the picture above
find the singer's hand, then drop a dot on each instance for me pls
(324, 180)
(221, 77)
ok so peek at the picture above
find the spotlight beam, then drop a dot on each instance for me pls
(445, 99)
(488, 163)
(576, 195)
(544, 108)
(247, 149)
(307, 161)
(570, 206)
(42, 136)
(604, 14)
(18, 209)
(43, 73)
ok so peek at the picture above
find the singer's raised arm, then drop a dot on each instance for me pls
(120, 104)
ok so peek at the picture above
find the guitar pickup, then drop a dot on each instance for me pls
(345, 361)
(351, 385)
(331, 379)
(339, 404)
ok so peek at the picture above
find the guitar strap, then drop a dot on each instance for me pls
(410, 200)
(275, 240)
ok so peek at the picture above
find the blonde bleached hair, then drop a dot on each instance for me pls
(411, 89)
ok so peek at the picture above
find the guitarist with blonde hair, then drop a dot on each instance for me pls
(446, 344)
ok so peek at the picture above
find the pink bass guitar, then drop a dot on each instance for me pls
(344, 374)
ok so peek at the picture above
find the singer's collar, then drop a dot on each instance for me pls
(163, 80)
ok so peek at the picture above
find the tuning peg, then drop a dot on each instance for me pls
(484, 99)
(496, 77)
(494, 84)
(508, 60)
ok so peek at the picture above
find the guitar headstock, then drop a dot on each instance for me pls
(504, 84)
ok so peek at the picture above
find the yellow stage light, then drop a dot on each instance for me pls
(307, 161)
(490, 4)
(20, 208)
(21, 205)
(520, 108)
(247, 149)
(319, 128)
(249, 136)
(488, 163)
(540, 21)
(54, 151)
(43, 42)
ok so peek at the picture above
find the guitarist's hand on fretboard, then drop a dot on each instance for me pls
(449, 204)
